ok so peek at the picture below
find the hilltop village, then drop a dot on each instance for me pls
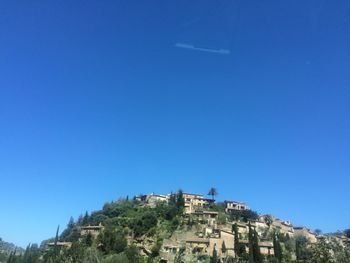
(215, 231)
(186, 227)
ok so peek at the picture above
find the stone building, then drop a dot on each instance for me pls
(305, 232)
(194, 202)
(234, 205)
(93, 230)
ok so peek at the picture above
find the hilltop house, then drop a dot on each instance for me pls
(305, 232)
(197, 246)
(59, 245)
(152, 199)
(92, 230)
(234, 205)
(205, 217)
(195, 201)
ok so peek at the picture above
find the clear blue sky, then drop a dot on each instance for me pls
(97, 102)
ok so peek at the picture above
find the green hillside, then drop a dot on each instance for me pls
(181, 229)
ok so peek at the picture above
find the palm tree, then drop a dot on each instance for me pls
(213, 192)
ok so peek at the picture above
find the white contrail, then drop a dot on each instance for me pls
(219, 51)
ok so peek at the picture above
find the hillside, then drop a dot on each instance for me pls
(185, 227)
(7, 248)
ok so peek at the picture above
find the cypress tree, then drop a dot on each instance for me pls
(277, 249)
(251, 244)
(85, 219)
(223, 248)
(256, 249)
(180, 201)
(236, 241)
(214, 258)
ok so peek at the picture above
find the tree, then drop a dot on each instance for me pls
(223, 248)
(156, 248)
(301, 248)
(236, 241)
(268, 220)
(75, 252)
(214, 258)
(245, 215)
(85, 220)
(277, 249)
(133, 254)
(180, 201)
(172, 199)
(91, 255)
(88, 240)
(318, 231)
(347, 233)
(213, 192)
(321, 253)
(254, 249)
(119, 258)
(112, 241)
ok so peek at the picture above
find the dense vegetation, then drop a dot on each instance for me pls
(128, 223)
(121, 220)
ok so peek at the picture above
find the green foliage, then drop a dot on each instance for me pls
(112, 241)
(88, 240)
(217, 207)
(133, 254)
(321, 253)
(222, 217)
(302, 250)
(144, 222)
(71, 233)
(230, 260)
(85, 220)
(223, 248)
(341, 253)
(125, 219)
(119, 258)
(277, 249)
(156, 248)
(214, 258)
(75, 253)
(244, 215)
(254, 249)
(31, 254)
(180, 201)
(213, 192)
(347, 233)
(236, 239)
(91, 255)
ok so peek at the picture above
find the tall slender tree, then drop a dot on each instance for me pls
(214, 258)
(213, 192)
(277, 248)
(236, 240)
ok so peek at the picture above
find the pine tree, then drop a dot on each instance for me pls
(85, 219)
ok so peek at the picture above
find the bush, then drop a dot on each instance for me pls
(142, 224)
(119, 258)
(112, 241)
(244, 215)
